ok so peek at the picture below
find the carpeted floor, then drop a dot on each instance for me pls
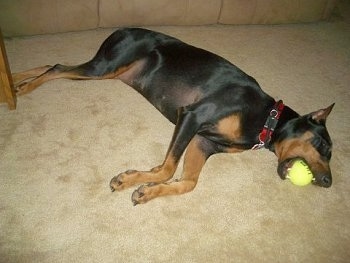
(67, 139)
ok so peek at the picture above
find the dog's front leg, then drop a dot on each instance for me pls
(195, 157)
(158, 174)
(185, 130)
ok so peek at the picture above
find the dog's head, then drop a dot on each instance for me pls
(306, 137)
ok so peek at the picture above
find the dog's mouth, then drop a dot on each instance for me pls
(284, 166)
(323, 179)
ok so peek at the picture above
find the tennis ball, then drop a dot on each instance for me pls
(300, 173)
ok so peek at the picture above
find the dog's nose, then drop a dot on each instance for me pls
(326, 181)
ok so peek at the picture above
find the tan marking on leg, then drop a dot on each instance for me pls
(158, 174)
(28, 74)
(193, 163)
(70, 72)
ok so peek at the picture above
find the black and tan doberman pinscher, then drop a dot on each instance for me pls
(216, 108)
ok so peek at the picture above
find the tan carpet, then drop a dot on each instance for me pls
(67, 139)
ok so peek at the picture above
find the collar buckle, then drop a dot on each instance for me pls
(269, 126)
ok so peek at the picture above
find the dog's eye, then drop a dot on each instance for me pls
(316, 141)
(322, 146)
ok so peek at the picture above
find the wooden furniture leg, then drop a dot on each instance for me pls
(7, 91)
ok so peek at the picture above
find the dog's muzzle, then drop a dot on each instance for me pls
(324, 180)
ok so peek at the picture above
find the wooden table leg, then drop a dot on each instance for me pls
(7, 91)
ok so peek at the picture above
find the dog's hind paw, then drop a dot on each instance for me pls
(21, 88)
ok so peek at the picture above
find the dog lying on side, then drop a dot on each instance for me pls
(216, 108)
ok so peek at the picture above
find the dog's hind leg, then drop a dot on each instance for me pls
(29, 74)
(115, 56)
(89, 70)
(107, 63)
(54, 72)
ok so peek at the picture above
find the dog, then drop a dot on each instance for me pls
(216, 107)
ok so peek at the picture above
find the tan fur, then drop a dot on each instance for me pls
(301, 147)
(193, 163)
(230, 127)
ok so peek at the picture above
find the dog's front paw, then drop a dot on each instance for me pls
(147, 192)
(140, 195)
(121, 181)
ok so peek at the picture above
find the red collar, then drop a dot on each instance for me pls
(269, 126)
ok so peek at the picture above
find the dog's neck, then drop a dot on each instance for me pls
(278, 114)
(286, 115)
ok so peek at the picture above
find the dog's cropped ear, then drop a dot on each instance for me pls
(320, 116)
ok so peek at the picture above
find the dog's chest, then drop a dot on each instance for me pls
(229, 127)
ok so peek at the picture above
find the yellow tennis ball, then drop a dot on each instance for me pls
(300, 173)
